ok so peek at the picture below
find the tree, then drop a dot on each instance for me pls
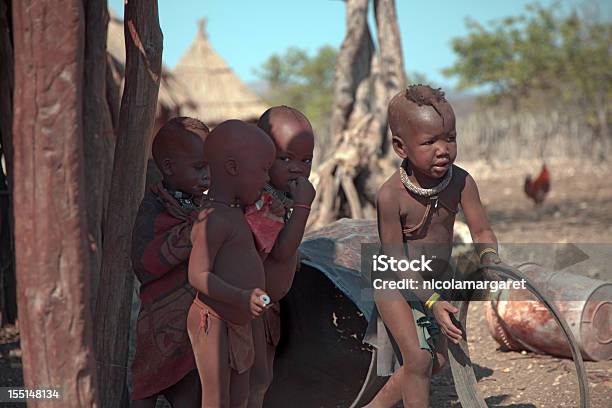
(50, 223)
(66, 105)
(347, 180)
(545, 54)
(98, 137)
(143, 38)
(302, 81)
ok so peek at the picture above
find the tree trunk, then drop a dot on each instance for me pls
(113, 89)
(392, 63)
(352, 66)
(335, 196)
(8, 293)
(112, 317)
(50, 221)
(347, 180)
(390, 44)
(97, 132)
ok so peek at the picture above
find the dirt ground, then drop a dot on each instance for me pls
(578, 209)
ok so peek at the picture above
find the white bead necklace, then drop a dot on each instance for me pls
(431, 193)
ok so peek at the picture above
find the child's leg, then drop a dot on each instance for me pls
(272, 325)
(185, 393)
(441, 354)
(411, 382)
(271, 352)
(239, 386)
(260, 372)
(209, 339)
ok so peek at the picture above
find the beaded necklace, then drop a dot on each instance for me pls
(280, 196)
(185, 200)
(431, 193)
(230, 205)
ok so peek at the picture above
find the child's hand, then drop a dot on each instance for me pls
(302, 191)
(442, 312)
(255, 304)
(492, 259)
(277, 208)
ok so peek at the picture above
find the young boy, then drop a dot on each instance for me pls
(416, 209)
(164, 362)
(293, 138)
(225, 266)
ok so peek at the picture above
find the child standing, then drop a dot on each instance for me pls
(416, 208)
(225, 267)
(164, 362)
(278, 238)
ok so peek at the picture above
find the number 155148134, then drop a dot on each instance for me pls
(19, 394)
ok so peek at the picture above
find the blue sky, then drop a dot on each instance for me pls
(246, 32)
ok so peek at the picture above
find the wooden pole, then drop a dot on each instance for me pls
(97, 132)
(50, 222)
(143, 39)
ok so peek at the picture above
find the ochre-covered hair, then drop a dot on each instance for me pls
(169, 135)
(417, 94)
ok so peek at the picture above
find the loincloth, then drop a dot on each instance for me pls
(241, 350)
(272, 324)
(389, 357)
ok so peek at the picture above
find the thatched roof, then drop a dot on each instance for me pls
(173, 95)
(217, 91)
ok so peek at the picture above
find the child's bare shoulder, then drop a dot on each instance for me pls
(211, 223)
(387, 194)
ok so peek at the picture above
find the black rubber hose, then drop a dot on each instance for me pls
(459, 357)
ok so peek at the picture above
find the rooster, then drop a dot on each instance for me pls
(538, 188)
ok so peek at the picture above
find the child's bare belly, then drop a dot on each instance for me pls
(436, 243)
(238, 264)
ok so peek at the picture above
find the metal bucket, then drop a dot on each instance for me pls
(517, 321)
(321, 360)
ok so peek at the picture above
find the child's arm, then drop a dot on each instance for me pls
(155, 253)
(279, 276)
(290, 237)
(391, 239)
(281, 264)
(208, 235)
(483, 236)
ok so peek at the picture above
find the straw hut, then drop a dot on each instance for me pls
(217, 91)
(173, 99)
